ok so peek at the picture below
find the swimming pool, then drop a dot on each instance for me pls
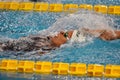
(14, 24)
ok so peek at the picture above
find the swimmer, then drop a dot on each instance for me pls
(76, 35)
(48, 43)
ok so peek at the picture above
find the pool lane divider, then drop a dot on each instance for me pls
(58, 7)
(60, 68)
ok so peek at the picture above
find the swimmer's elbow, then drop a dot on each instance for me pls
(108, 38)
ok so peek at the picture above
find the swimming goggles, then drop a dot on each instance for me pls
(66, 35)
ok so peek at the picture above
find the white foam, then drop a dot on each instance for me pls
(79, 20)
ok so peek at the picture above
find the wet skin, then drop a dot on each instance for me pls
(108, 35)
(60, 39)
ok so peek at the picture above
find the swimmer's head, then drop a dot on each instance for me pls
(61, 38)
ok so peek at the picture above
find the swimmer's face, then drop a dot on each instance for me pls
(60, 38)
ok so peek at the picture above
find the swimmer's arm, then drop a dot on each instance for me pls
(94, 32)
(108, 35)
(104, 34)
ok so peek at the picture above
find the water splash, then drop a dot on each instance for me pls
(81, 19)
(32, 22)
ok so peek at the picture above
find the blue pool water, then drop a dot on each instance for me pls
(15, 24)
